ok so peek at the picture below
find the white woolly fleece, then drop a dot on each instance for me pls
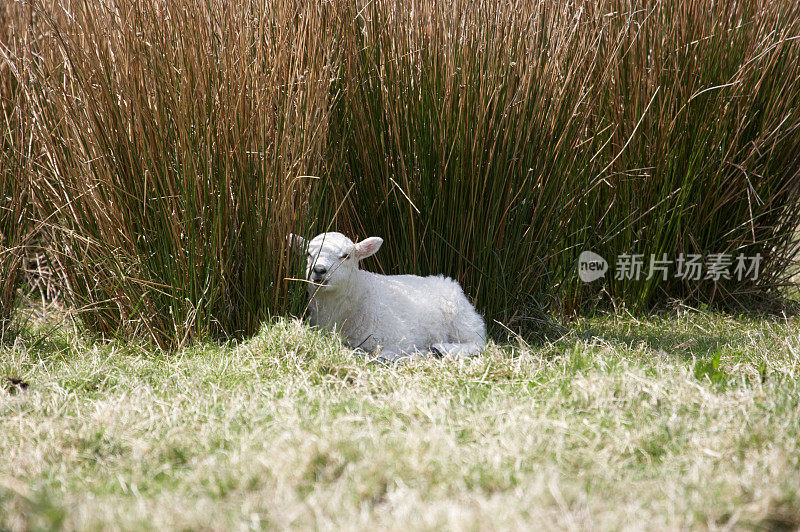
(391, 314)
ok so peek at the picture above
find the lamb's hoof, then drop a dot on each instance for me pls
(438, 352)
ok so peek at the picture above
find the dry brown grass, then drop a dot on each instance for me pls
(616, 426)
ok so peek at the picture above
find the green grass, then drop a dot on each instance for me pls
(688, 420)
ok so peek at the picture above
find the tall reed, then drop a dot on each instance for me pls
(494, 141)
(703, 126)
(491, 141)
(179, 138)
(459, 138)
(14, 221)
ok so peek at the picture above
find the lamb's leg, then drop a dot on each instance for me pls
(457, 351)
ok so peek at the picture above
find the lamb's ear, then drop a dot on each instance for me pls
(368, 246)
(297, 242)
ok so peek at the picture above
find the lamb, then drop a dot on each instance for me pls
(392, 316)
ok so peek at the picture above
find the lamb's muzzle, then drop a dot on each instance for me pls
(393, 316)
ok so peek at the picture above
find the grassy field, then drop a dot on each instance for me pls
(688, 420)
(154, 156)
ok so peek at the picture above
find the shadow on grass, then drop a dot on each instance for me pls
(712, 345)
(686, 345)
(687, 332)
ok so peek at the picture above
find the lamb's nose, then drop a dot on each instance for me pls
(321, 270)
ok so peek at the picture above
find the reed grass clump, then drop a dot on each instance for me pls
(14, 189)
(494, 141)
(489, 141)
(179, 137)
(462, 142)
(701, 116)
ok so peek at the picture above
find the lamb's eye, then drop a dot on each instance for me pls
(343, 256)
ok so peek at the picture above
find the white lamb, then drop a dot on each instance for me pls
(393, 316)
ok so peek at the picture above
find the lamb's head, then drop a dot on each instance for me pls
(332, 258)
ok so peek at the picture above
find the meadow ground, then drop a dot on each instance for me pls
(688, 420)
